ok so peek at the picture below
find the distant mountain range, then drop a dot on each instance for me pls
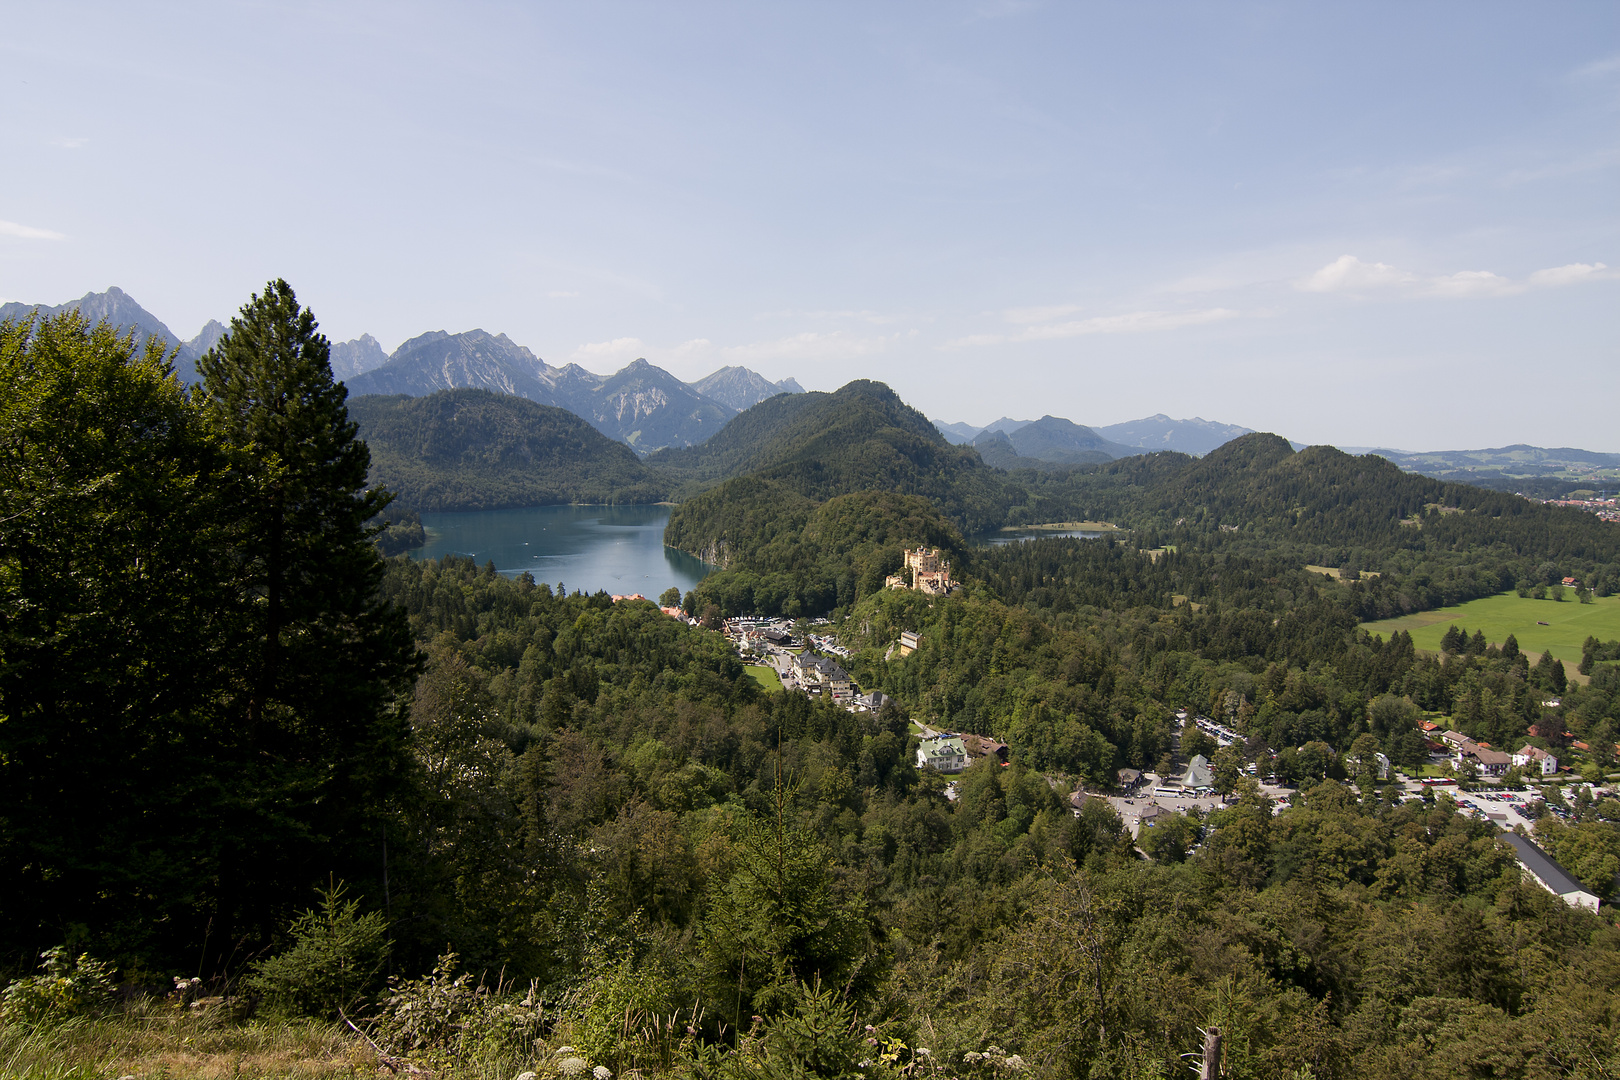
(120, 309)
(1049, 440)
(647, 408)
(641, 405)
(1158, 432)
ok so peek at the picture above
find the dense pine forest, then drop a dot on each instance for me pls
(265, 791)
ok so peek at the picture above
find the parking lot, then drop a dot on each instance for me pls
(1129, 807)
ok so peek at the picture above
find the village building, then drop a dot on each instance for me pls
(1152, 814)
(908, 642)
(981, 746)
(1128, 779)
(929, 573)
(1198, 774)
(944, 753)
(817, 674)
(1465, 751)
(1544, 869)
(1534, 757)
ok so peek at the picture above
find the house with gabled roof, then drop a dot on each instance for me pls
(1534, 757)
(1544, 869)
(943, 753)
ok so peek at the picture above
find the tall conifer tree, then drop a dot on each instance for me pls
(321, 659)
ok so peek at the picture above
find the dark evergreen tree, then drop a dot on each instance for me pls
(319, 661)
(105, 642)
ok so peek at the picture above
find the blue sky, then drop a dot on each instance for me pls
(1366, 224)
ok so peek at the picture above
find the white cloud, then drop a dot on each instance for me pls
(812, 346)
(67, 142)
(561, 294)
(1135, 322)
(1349, 274)
(619, 350)
(28, 232)
(1555, 276)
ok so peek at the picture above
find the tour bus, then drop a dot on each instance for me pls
(1168, 792)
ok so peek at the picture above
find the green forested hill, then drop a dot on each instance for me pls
(861, 438)
(476, 450)
(786, 553)
(835, 486)
(1443, 541)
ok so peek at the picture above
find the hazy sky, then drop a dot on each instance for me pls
(1366, 224)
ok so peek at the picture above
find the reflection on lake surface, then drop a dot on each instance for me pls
(1014, 536)
(619, 549)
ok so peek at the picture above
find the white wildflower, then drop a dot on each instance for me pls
(602, 1072)
(573, 1066)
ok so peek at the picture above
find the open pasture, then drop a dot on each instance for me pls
(767, 677)
(1568, 623)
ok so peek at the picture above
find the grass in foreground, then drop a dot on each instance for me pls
(1569, 623)
(154, 1039)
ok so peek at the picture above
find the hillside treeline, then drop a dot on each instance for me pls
(201, 690)
(602, 800)
(475, 450)
(218, 702)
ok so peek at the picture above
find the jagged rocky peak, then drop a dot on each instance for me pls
(351, 358)
(740, 388)
(207, 337)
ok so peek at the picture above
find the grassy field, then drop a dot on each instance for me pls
(1569, 623)
(768, 678)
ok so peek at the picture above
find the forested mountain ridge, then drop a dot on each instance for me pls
(783, 552)
(208, 731)
(1160, 432)
(1321, 496)
(1157, 432)
(476, 450)
(862, 437)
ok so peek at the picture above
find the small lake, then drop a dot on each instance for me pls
(1018, 536)
(619, 549)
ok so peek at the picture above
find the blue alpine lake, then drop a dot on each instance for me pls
(619, 549)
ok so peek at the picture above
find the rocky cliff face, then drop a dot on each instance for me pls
(351, 358)
(649, 408)
(120, 309)
(740, 389)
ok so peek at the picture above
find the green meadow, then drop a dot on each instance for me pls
(1569, 623)
(768, 678)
